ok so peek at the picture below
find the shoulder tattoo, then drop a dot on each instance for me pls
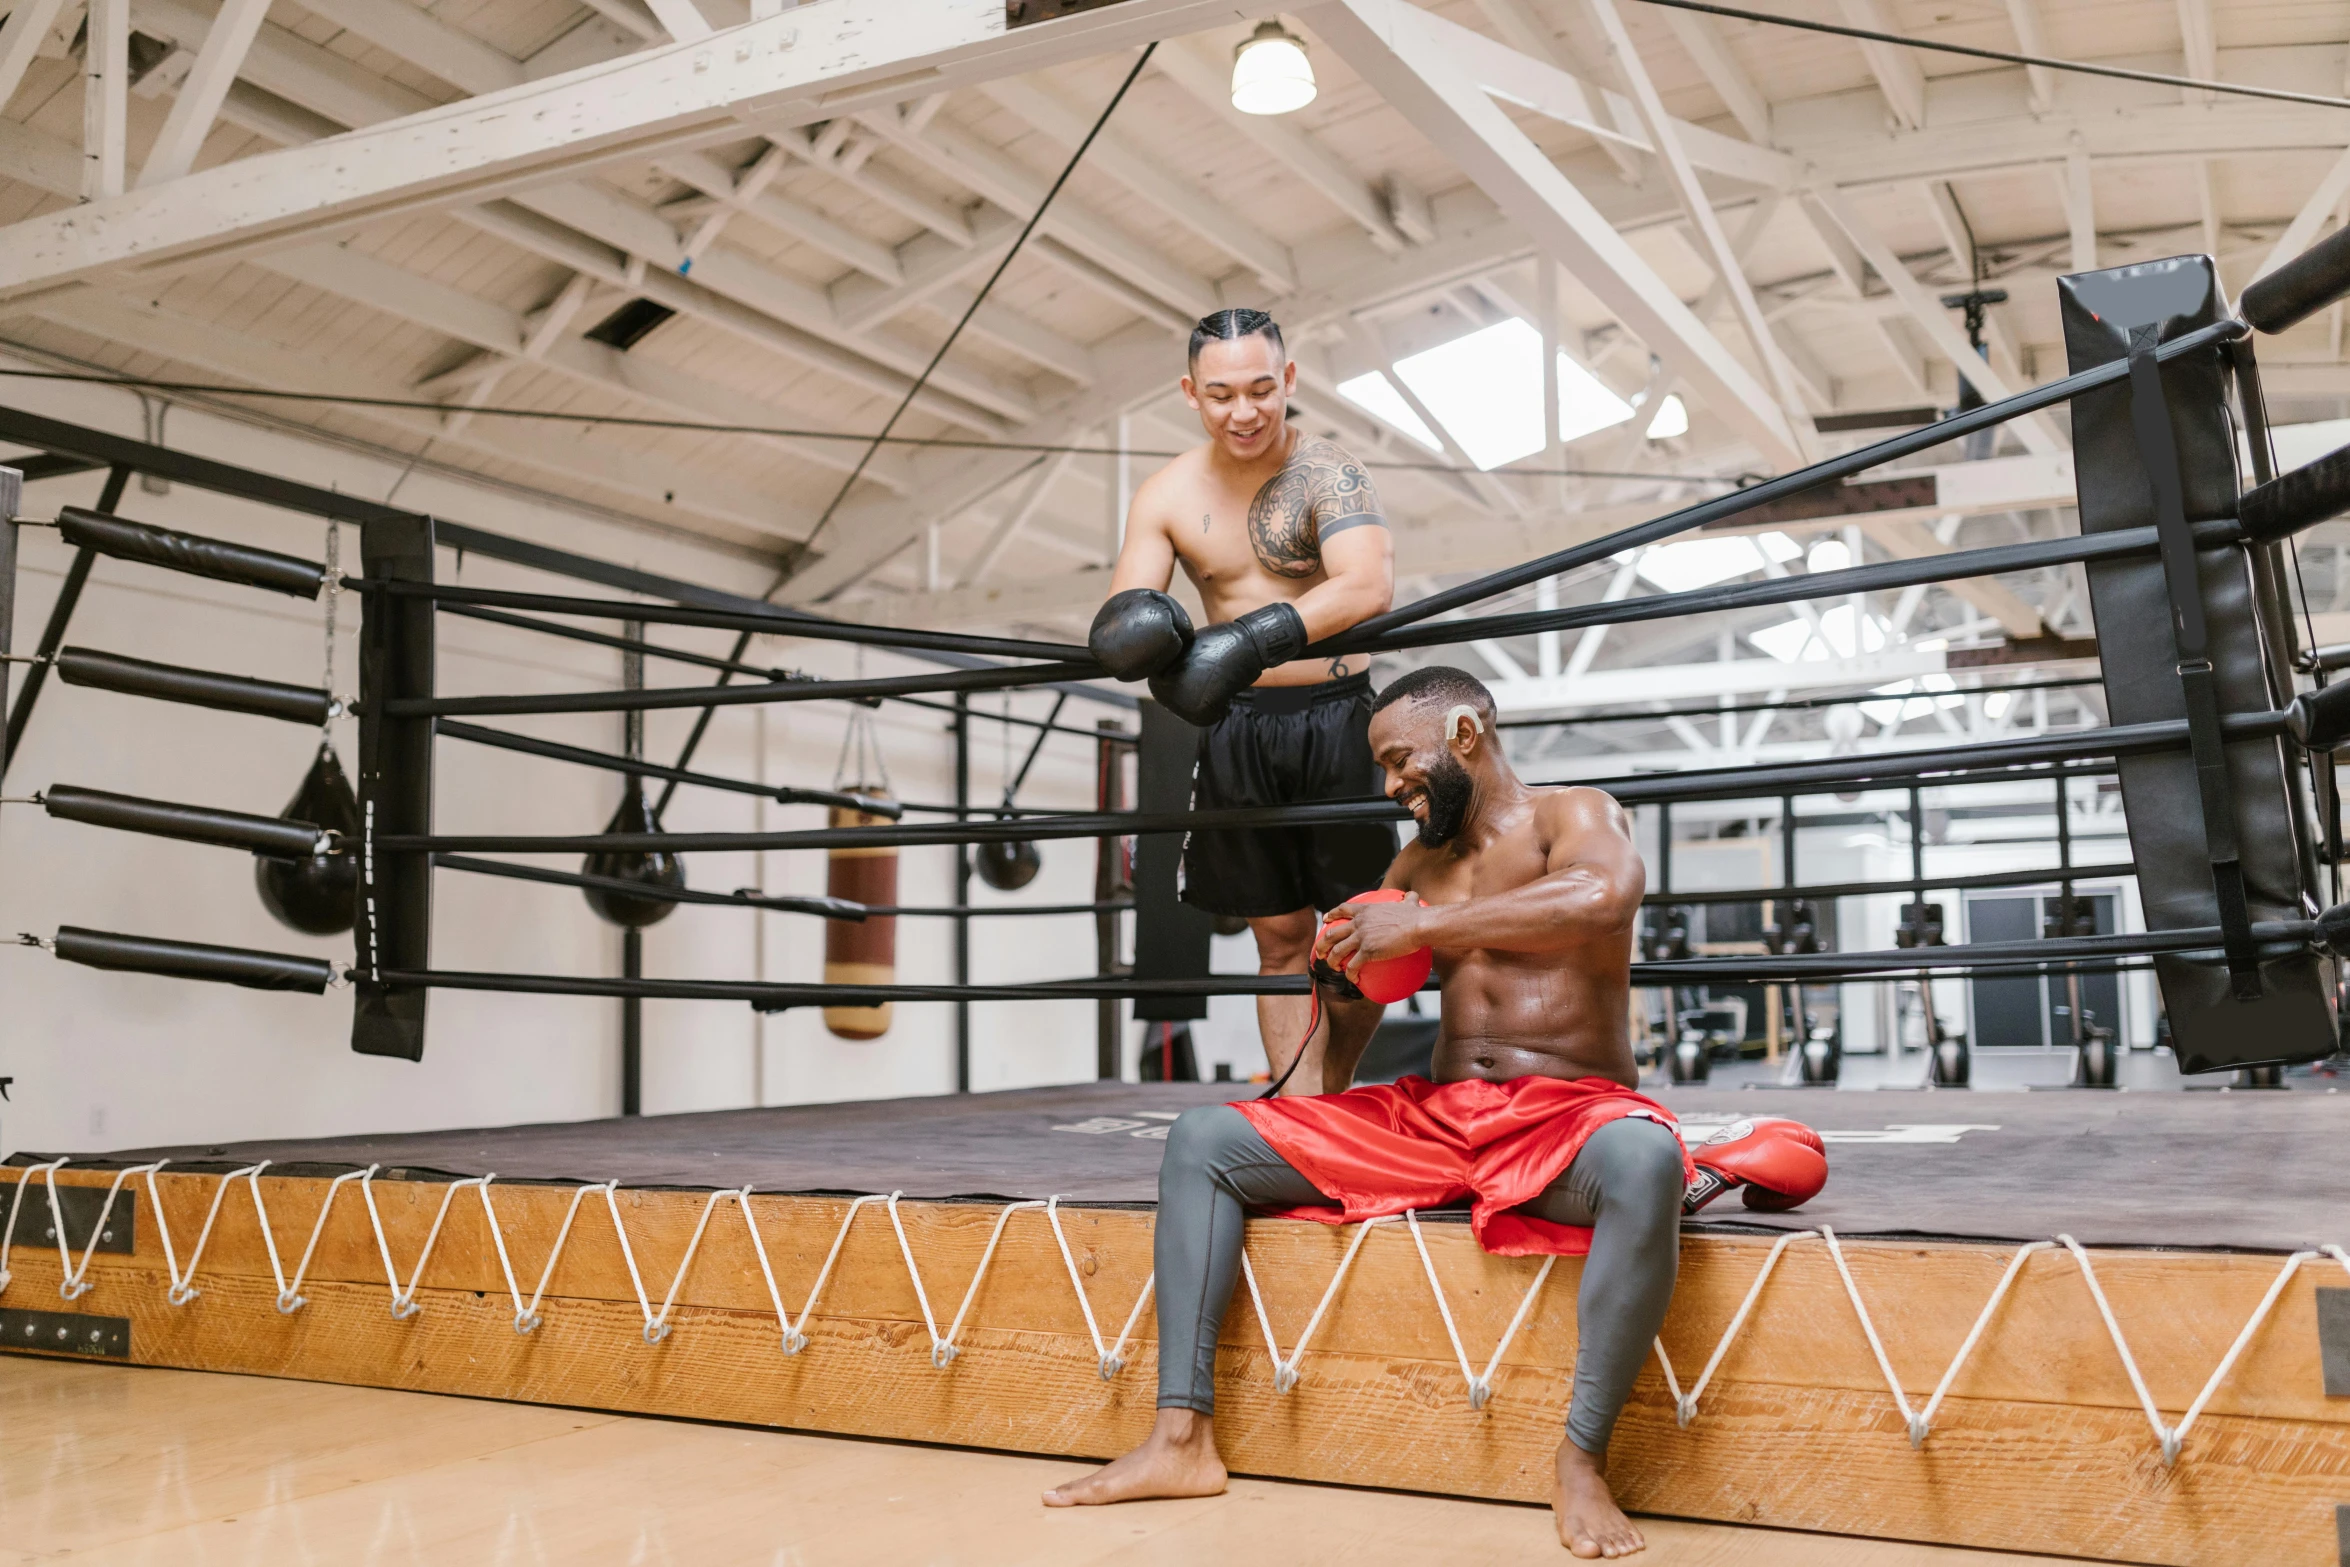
(1318, 492)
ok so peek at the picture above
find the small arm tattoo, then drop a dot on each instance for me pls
(1318, 492)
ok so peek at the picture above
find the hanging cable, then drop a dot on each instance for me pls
(742, 643)
(589, 422)
(2120, 73)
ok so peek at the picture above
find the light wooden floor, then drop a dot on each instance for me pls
(122, 1465)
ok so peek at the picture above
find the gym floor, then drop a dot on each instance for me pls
(110, 1464)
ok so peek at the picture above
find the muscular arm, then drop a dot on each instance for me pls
(1147, 558)
(1591, 886)
(1321, 511)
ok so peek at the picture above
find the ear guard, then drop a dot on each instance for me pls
(1452, 720)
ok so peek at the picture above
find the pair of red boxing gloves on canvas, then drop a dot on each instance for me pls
(1778, 1163)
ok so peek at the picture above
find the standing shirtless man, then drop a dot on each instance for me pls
(1283, 537)
(1531, 898)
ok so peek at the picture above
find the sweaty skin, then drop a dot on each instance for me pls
(1261, 512)
(1526, 911)
(1531, 909)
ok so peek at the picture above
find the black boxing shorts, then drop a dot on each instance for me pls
(1286, 745)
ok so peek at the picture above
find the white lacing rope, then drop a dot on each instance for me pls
(766, 1270)
(1285, 1371)
(1919, 1422)
(1924, 1419)
(657, 1324)
(1480, 1387)
(74, 1278)
(526, 1318)
(289, 1299)
(1685, 1404)
(404, 1303)
(1112, 1360)
(15, 1202)
(796, 1339)
(183, 1285)
(943, 1350)
(2173, 1438)
(289, 1296)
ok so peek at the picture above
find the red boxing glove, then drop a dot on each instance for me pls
(1383, 980)
(1782, 1164)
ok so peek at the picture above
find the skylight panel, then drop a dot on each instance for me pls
(1486, 390)
(1791, 641)
(1375, 395)
(1700, 563)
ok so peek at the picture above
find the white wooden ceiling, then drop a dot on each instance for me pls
(829, 257)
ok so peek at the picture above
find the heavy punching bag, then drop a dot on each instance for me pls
(1006, 866)
(317, 895)
(651, 868)
(861, 952)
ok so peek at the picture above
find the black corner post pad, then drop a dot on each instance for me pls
(2219, 829)
(2302, 286)
(244, 966)
(2158, 449)
(394, 931)
(191, 553)
(2313, 493)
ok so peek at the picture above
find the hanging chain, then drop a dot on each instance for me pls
(334, 593)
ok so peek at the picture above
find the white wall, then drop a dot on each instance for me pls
(111, 1060)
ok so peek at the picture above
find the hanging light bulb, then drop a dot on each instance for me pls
(1270, 73)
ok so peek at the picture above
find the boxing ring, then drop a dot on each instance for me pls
(2012, 1320)
(2111, 1327)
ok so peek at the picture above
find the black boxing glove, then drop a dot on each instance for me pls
(1226, 660)
(1139, 633)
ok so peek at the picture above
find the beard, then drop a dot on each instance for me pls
(1448, 792)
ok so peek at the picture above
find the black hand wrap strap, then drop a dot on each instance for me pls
(2158, 450)
(1278, 631)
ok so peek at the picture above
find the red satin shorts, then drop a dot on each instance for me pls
(1386, 1147)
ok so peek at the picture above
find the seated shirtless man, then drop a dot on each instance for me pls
(1531, 896)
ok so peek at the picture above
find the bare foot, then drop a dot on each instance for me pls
(1590, 1523)
(1178, 1458)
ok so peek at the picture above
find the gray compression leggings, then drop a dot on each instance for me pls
(1626, 1184)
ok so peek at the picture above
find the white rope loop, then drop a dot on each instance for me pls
(795, 1339)
(766, 1270)
(404, 1303)
(921, 1295)
(289, 1296)
(183, 1285)
(76, 1282)
(1480, 1384)
(1923, 1421)
(657, 1323)
(1685, 1404)
(2163, 1434)
(2252, 1324)
(1111, 1360)
(677, 1280)
(943, 1348)
(946, 1349)
(15, 1202)
(1285, 1371)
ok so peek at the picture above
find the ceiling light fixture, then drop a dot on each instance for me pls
(1270, 72)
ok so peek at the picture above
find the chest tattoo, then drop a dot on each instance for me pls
(1319, 492)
